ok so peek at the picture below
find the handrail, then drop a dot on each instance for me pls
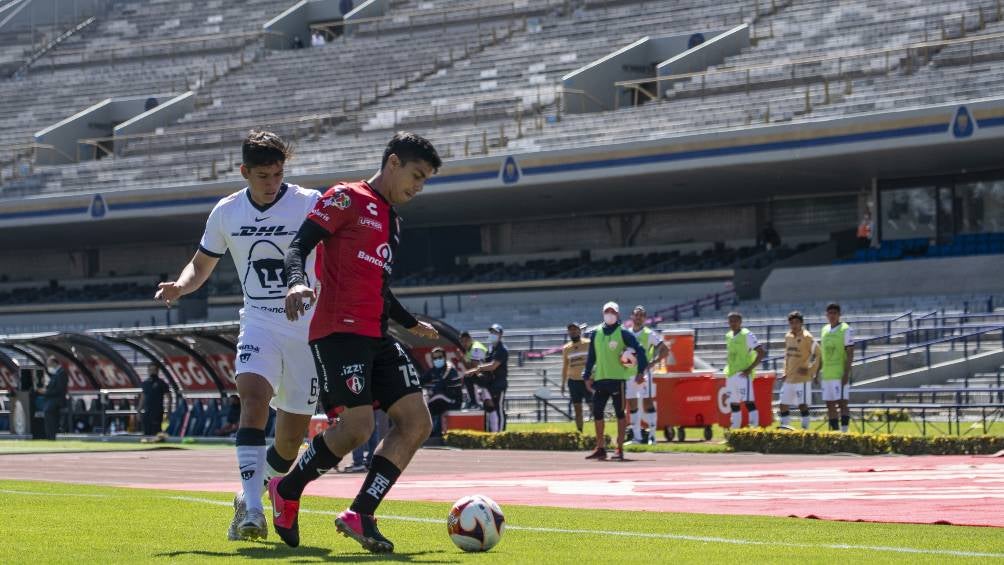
(637, 83)
(465, 7)
(926, 344)
(584, 94)
(141, 45)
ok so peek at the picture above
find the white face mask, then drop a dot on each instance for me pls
(609, 319)
(494, 338)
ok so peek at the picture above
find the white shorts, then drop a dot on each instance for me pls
(285, 362)
(740, 389)
(635, 390)
(833, 390)
(795, 394)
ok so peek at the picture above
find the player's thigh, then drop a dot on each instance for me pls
(299, 386)
(831, 390)
(409, 413)
(789, 393)
(344, 366)
(739, 389)
(394, 375)
(601, 394)
(257, 354)
(578, 393)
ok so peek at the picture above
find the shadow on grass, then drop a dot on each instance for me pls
(311, 554)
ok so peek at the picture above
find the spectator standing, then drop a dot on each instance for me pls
(769, 237)
(801, 362)
(573, 360)
(610, 355)
(642, 386)
(474, 354)
(865, 231)
(744, 354)
(297, 42)
(152, 401)
(445, 388)
(54, 395)
(493, 375)
(837, 348)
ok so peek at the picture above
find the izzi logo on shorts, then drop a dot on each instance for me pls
(352, 369)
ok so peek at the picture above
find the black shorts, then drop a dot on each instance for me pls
(608, 389)
(356, 370)
(577, 390)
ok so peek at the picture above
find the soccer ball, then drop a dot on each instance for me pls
(629, 359)
(475, 523)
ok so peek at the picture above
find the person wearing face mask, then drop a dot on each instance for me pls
(610, 355)
(54, 394)
(494, 373)
(573, 360)
(445, 389)
(474, 353)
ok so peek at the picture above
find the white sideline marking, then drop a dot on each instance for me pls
(681, 537)
(649, 535)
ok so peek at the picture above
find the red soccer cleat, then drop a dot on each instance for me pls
(285, 514)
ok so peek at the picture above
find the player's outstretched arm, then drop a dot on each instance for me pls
(193, 276)
(401, 315)
(299, 294)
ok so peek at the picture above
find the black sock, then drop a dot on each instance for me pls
(383, 474)
(845, 420)
(314, 462)
(834, 424)
(276, 461)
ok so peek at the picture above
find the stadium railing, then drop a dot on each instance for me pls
(744, 74)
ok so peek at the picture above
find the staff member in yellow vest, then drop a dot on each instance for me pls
(573, 360)
(744, 354)
(641, 386)
(615, 355)
(474, 353)
(801, 361)
(837, 345)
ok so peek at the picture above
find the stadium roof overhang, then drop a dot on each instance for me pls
(731, 166)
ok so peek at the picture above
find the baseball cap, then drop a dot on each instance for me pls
(573, 325)
(611, 306)
(497, 328)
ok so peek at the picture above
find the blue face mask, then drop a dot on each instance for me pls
(494, 338)
(439, 363)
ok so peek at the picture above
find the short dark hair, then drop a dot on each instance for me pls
(796, 315)
(464, 334)
(833, 306)
(263, 149)
(409, 147)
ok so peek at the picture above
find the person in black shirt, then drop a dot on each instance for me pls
(445, 389)
(55, 396)
(494, 374)
(152, 402)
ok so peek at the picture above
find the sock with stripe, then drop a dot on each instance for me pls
(250, 463)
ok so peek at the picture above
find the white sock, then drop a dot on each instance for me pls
(805, 422)
(844, 428)
(651, 418)
(493, 421)
(785, 421)
(636, 426)
(754, 418)
(251, 464)
(737, 420)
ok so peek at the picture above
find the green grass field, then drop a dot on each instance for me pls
(61, 523)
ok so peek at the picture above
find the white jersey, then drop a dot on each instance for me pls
(258, 238)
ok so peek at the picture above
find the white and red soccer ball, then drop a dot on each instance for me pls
(475, 523)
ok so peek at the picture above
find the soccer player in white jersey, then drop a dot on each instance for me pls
(641, 386)
(274, 363)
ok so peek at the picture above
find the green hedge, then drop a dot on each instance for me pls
(544, 441)
(794, 441)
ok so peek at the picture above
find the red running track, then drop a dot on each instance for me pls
(932, 489)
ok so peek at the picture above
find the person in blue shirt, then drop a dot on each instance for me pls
(614, 357)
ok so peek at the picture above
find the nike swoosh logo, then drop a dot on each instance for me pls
(246, 466)
(257, 219)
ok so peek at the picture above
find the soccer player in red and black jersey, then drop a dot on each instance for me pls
(360, 367)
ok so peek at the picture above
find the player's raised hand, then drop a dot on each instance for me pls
(168, 292)
(424, 329)
(297, 298)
